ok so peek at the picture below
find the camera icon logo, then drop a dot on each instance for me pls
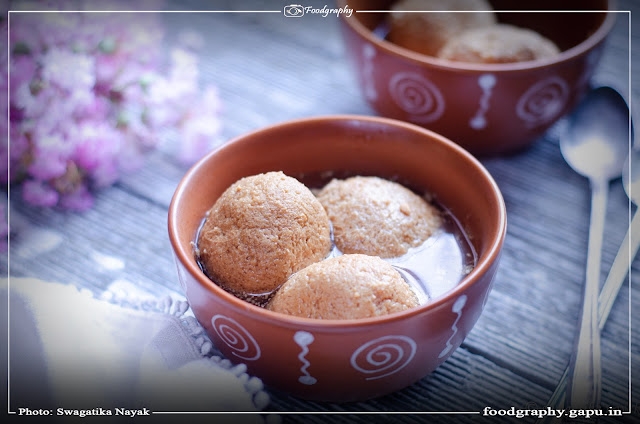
(294, 11)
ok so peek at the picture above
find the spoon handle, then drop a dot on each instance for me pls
(585, 372)
(619, 269)
(615, 280)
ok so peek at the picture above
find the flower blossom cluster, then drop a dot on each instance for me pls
(90, 94)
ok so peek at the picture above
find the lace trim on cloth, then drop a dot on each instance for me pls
(181, 310)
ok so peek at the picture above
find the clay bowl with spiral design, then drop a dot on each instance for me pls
(487, 108)
(350, 359)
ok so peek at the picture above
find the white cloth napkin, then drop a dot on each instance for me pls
(70, 350)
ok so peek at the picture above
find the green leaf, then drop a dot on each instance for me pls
(108, 45)
(21, 48)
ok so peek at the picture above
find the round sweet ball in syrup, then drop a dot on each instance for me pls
(344, 287)
(422, 26)
(261, 230)
(501, 43)
(375, 216)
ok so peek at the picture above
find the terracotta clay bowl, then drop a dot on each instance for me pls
(488, 109)
(342, 360)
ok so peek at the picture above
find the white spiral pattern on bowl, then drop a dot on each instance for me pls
(383, 356)
(417, 96)
(543, 101)
(234, 335)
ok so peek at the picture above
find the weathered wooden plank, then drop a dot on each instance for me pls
(455, 386)
(123, 237)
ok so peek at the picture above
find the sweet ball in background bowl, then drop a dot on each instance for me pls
(426, 33)
(349, 326)
(491, 81)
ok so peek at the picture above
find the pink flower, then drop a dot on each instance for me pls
(50, 157)
(131, 156)
(199, 136)
(201, 130)
(95, 108)
(137, 129)
(89, 99)
(210, 103)
(15, 150)
(24, 34)
(4, 225)
(32, 106)
(184, 69)
(161, 110)
(23, 69)
(67, 70)
(79, 200)
(39, 194)
(98, 146)
(105, 174)
(94, 142)
(107, 68)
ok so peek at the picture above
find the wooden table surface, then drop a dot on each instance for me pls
(269, 69)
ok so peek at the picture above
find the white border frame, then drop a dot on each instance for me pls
(9, 12)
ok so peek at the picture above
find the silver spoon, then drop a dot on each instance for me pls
(630, 244)
(595, 146)
(619, 268)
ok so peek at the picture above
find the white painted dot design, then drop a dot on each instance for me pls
(543, 101)
(417, 96)
(368, 53)
(234, 335)
(456, 309)
(486, 83)
(304, 339)
(383, 356)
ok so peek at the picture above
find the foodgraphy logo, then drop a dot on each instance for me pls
(298, 11)
(294, 11)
